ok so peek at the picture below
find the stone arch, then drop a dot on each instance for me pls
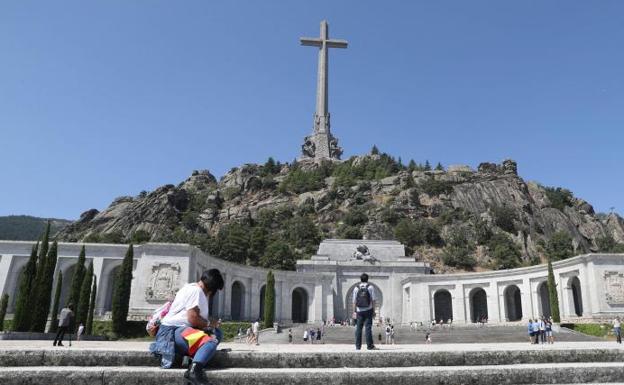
(300, 301)
(513, 303)
(237, 301)
(378, 302)
(68, 277)
(543, 300)
(478, 304)
(262, 293)
(576, 299)
(442, 305)
(13, 280)
(108, 298)
(213, 304)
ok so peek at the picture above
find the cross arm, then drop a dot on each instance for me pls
(336, 43)
(311, 41)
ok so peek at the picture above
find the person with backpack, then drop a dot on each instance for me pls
(388, 334)
(363, 312)
(186, 329)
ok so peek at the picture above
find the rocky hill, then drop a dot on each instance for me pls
(272, 214)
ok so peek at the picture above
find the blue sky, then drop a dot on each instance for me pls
(101, 99)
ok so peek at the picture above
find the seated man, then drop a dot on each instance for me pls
(185, 330)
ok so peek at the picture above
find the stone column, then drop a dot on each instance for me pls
(493, 303)
(527, 302)
(254, 309)
(227, 297)
(5, 266)
(458, 300)
(585, 291)
(250, 285)
(317, 303)
(278, 301)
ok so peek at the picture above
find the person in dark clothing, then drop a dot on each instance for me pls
(65, 318)
(364, 311)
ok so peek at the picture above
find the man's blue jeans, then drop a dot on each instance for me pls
(204, 353)
(364, 319)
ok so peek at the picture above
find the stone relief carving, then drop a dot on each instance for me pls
(335, 151)
(308, 148)
(614, 287)
(163, 282)
(362, 253)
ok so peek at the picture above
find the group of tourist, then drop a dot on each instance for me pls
(251, 335)
(311, 335)
(540, 330)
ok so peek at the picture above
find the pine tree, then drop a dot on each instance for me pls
(76, 283)
(552, 294)
(82, 310)
(42, 305)
(374, 151)
(21, 317)
(411, 165)
(427, 166)
(55, 306)
(89, 325)
(269, 300)
(121, 292)
(4, 303)
(439, 167)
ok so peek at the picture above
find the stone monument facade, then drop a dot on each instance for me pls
(321, 144)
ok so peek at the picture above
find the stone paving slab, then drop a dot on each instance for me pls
(562, 373)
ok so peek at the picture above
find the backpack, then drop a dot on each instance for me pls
(363, 297)
(388, 330)
(154, 322)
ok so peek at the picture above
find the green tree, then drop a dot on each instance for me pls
(55, 306)
(439, 167)
(76, 283)
(552, 294)
(21, 316)
(559, 246)
(345, 231)
(301, 232)
(234, 242)
(427, 166)
(374, 150)
(269, 300)
(459, 252)
(434, 187)
(504, 252)
(257, 244)
(504, 218)
(559, 197)
(4, 303)
(121, 292)
(82, 309)
(41, 307)
(89, 325)
(414, 233)
(38, 286)
(607, 244)
(278, 256)
(411, 166)
(140, 236)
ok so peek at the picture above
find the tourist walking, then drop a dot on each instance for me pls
(186, 330)
(65, 319)
(388, 334)
(290, 338)
(392, 334)
(312, 335)
(535, 329)
(542, 330)
(255, 332)
(530, 330)
(305, 335)
(79, 332)
(319, 335)
(549, 332)
(617, 329)
(363, 311)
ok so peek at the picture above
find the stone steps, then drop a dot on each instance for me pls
(551, 373)
(318, 359)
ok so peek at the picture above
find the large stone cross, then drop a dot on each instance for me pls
(321, 144)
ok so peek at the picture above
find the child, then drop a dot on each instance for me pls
(290, 336)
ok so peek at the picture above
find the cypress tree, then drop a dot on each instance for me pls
(38, 287)
(76, 283)
(21, 317)
(55, 306)
(82, 311)
(121, 292)
(42, 305)
(89, 325)
(4, 302)
(552, 294)
(269, 300)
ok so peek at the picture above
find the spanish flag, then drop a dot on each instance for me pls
(195, 339)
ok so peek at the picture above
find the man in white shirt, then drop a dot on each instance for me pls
(617, 330)
(189, 311)
(255, 329)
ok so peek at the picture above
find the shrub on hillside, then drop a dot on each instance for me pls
(459, 252)
(414, 233)
(559, 197)
(559, 246)
(504, 218)
(504, 252)
(434, 187)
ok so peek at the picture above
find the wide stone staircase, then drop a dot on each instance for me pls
(570, 363)
(440, 334)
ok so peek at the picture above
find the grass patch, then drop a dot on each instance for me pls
(596, 330)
